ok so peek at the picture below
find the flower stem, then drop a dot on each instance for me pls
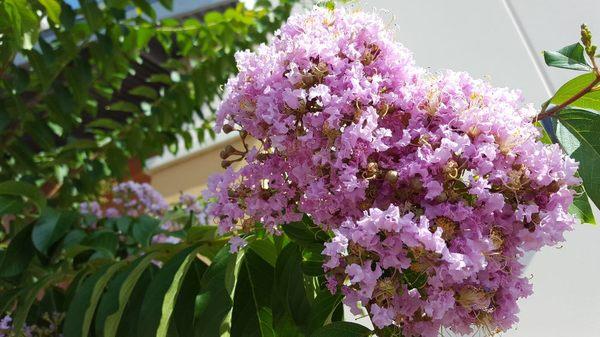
(555, 109)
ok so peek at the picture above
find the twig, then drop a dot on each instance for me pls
(555, 109)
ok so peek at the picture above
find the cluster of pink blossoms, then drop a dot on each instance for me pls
(434, 185)
(136, 199)
(127, 199)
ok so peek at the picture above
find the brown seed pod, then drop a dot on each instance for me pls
(391, 177)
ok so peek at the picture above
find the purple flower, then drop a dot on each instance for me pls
(236, 243)
(434, 185)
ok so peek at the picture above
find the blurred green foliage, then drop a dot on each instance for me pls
(85, 88)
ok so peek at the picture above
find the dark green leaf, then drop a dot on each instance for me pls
(322, 310)
(168, 4)
(265, 248)
(184, 310)
(26, 190)
(92, 14)
(144, 91)
(161, 292)
(8, 297)
(291, 307)
(252, 314)
(172, 293)
(26, 299)
(51, 227)
(214, 302)
(201, 233)
(312, 259)
(125, 107)
(578, 134)
(105, 123)
(131, 315)
(105, 242)
(18, 254)
(305, 232)
(414, 279)
(144, 228)
(81, 310)
(570, 57)
(342, 329)
(118, 295)
(12, 205)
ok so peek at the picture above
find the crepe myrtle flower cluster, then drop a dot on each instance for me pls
(433, 185)
(136, 199)
(127, 199)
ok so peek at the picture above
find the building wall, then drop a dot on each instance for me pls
(500, 40)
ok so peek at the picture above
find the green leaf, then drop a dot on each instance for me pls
(105, 242)
(577, 132)
(109, 302)
(51, 227)
(252, 314)
(414, 279)
(80, 144)
(201, 233)
(105, 123)
(571, 88)
(19, 253)
(145, 7)
(81, 310)
(8, 297)
(131, 315)
(125, 107)
(144, 228)
(291, 307)
(168, 4)
(161, 291)
(343, 329)
(26, 190)
(159, 78)
(265, 248)
(581, 207)
(23, 22)
(183, 320)
(125, 289)
(214, 301)
(312, 259)
(168, 304)
(52, 9)
(305, 232)
(93, 14)
(10, 205)
(322, 310)
(570, 57)
(144, 91)
(26, 300)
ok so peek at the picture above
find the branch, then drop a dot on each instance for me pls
(555, 109)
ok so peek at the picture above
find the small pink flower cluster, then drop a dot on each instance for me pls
(127, 199)
(434, 185)
(135, 199)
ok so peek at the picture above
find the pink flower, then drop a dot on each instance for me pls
(433, 185)
(236, 243)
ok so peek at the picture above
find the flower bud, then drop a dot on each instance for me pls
(391, 177)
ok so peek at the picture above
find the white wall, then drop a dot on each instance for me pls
(502, 41)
